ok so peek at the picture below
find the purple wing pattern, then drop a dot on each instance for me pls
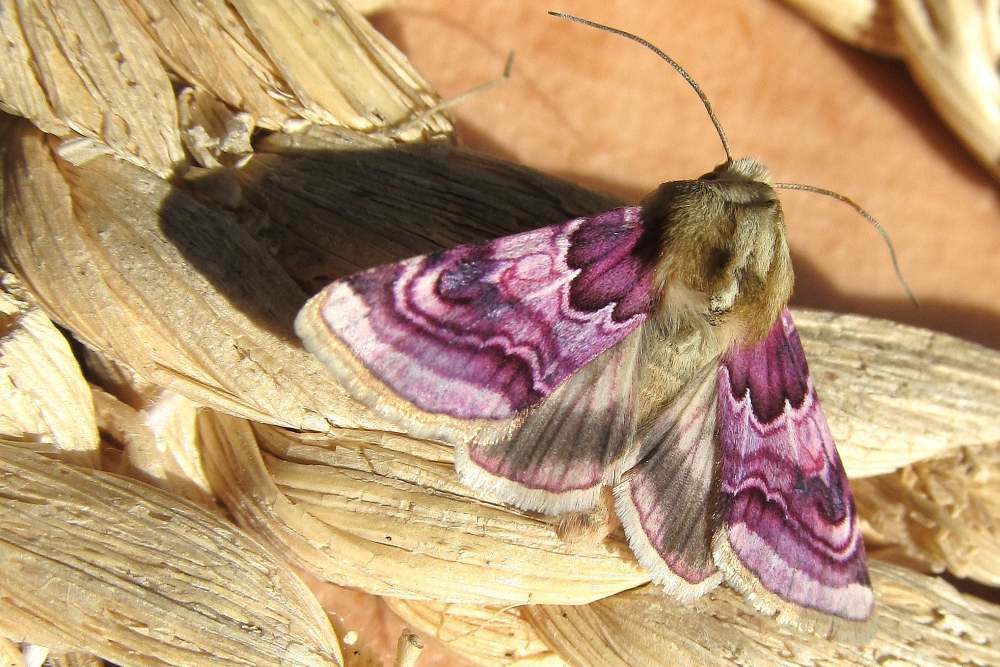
(486, 331)
(790, 530)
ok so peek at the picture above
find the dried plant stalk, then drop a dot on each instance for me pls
(387, 514)
(488, 636)
(921, 620)
(100, 563)
(938, 515)
(894, 393)
(159, 443)
(44, 400)
(868, 24)
(408, 649)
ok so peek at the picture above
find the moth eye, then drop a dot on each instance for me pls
(719, 259)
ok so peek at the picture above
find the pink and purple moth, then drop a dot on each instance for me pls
(647, 349)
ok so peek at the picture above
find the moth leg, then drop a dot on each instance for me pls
(591, 526)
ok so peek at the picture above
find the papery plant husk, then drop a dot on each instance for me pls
(178, 252)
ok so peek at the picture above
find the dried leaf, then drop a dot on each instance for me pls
(95, 562)
(153, 279)
(259, 57)
(44, 400)
(895, 394)
(921, 620)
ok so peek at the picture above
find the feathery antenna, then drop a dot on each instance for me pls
(673, 63)
(867, 216)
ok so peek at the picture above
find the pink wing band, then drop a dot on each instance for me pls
(787, 507)
(483, 332)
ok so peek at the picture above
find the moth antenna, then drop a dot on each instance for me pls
(673, 63)
(867, 216)
(458, 99)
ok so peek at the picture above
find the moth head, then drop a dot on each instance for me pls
(724, 260)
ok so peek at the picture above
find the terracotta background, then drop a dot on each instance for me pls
(605, 113)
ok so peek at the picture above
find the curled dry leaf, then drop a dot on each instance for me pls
(868, 24)
(258, 57)
(150, 277)
(387, 514)
(952, 48)
(100, 563)
(921, 620)
(86, 67)
(938, 515)
(44, 400)
(485, 635)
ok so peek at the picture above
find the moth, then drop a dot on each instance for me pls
(527, 354)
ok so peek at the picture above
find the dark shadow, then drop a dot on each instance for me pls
(970, 587)
(814, 290)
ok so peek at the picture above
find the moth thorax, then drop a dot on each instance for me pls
(724, 264)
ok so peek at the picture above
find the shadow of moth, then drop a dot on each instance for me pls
(526, 352)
